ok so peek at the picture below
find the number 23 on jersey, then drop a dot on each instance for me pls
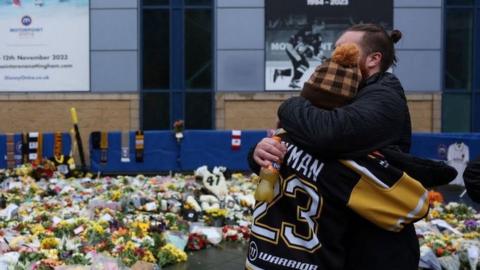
(301, 230)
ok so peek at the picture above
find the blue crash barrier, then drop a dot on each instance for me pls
(441, 145)
(47, 150)
(162, 153)
(215, 149)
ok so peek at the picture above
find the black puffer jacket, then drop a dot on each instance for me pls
(378, 117)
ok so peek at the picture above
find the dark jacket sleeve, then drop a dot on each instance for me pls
(254, 167)
(428, 172)
(471, 177)
(371, 122)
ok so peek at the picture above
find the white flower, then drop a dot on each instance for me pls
(148, 241)
(10, 258)
(70, 244)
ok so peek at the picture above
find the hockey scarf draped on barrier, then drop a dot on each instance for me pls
(139, 145)
(58, 144)
(10, 150)
(35, 146)
(103, 147)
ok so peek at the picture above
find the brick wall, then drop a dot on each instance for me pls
(258, 110)
(425, 110)
(248, 110)
(51, 112)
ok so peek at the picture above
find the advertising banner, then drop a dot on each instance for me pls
(44, 45)
(300, 34)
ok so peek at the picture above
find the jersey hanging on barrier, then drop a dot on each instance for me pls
(305, 224)
(458, 155)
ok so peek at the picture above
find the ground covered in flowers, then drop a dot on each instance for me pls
(116, 222)
(141, 222)
(449, 237)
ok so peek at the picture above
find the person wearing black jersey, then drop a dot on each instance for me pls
(377, 118)
(306, 224)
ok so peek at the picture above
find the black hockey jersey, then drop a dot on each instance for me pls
(305, 225)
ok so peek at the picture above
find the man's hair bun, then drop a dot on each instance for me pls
(395, 36)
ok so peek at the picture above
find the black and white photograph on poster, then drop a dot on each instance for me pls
(301, 34)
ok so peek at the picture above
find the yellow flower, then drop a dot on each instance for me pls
(49, 243)
(471, 235)
(50, 253)
(434, 214)
(18, 241)
(140, 229)
(216, 212)
(148, 257)
(63, 224)
(37, 229)
(81, 220)
(116, 195)
(180, 255)
(98, 228)
(130, 246)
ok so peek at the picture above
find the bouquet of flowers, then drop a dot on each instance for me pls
(215, 216)
(169, 254)
(236, 233)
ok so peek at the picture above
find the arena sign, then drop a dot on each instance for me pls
(44, 45)
(300, 34)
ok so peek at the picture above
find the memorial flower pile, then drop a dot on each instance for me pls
(53, 222)
(449, 237)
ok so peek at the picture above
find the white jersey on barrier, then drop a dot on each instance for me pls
(458, 156)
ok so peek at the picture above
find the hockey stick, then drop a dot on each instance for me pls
(78, 138)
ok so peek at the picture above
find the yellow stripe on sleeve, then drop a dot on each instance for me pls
(390, 208)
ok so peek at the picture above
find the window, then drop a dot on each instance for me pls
(460, 111)
(198, 49)
(177, 64)
(198, 110)
(156, 107)
(459, 49)
(156, 49)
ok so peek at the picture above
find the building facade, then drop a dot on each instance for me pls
(203, 61)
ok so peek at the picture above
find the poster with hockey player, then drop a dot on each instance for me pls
(300, 34)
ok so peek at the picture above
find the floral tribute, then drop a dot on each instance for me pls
(54, 222)
(449, 237)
